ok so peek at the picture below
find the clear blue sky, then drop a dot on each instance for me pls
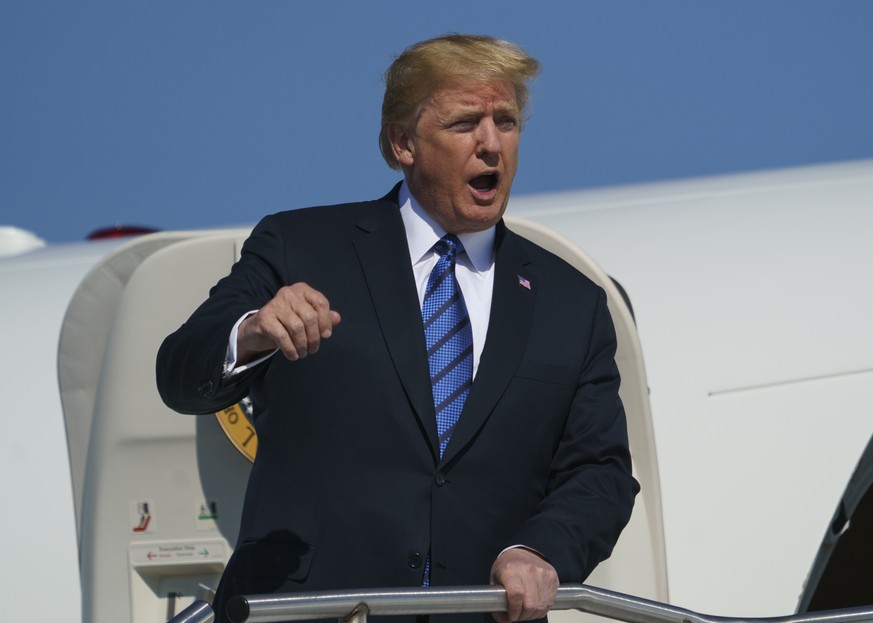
(183, 114)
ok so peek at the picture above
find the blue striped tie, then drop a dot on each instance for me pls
(449, 339)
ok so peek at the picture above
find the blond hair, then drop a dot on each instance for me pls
(422, 67)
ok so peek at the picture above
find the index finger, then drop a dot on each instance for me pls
(327, 318)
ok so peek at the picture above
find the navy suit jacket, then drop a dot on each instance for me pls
(348, 490)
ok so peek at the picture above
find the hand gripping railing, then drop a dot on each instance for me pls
(354, 607)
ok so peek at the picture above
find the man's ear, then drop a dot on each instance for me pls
(401, 144)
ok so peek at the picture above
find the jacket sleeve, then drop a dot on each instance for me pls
(190, 362)
(591, 488)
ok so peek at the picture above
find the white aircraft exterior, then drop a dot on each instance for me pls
(747, 374)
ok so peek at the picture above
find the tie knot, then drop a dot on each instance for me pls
(449, 246)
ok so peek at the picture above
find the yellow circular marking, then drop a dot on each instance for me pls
(239, 430)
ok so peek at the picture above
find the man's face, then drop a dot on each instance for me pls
(461, 158)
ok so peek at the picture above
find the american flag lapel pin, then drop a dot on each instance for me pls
(524, 283)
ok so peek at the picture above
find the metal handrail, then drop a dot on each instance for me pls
(355, 606)
(197, 612)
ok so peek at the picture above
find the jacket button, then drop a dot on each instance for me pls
(206, 389)
(439, 479)
(415, 560)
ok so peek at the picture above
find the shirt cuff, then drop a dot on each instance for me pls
(230, 368)
(530, 549)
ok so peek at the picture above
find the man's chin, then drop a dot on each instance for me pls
(480, 218)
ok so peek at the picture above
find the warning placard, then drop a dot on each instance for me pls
(206, 512)
(142, 518)
(172, 553)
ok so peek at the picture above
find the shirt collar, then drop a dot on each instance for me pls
(423, 232)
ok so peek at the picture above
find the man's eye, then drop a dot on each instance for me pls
(507, 123)
(464, 125)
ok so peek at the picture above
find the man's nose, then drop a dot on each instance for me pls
(488, 138)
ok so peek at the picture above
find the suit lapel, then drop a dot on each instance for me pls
(512, 307)
(384, 257)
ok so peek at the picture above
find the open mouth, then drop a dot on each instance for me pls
(485, 183)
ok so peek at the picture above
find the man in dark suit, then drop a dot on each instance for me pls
(462, 423)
